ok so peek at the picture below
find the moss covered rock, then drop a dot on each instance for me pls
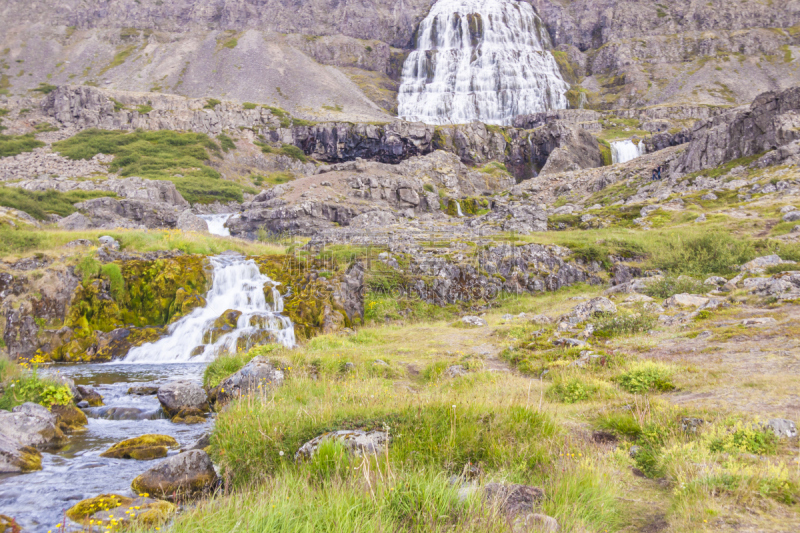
(104, 502)
(222, 325)
(142, 448)
(70, 418)
(189, 416)
(313, 304)
(112, 511)
(188, 474)
(16, 458)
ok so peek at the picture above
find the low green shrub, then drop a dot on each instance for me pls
(613, 325)
(11, 145)
(671, 285)
(30, 387)
(39, 204)
(703, 254)
(573, 390)
(226, 143)
(646, 376)
(744, 438)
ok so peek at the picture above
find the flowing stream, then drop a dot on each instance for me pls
(624, 151)
(38, 500)
(485, 60)
(216, 224)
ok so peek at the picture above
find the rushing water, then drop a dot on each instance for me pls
(237, 285)
(37, 500)
(485, 60)
(624, 151)
(216, 224)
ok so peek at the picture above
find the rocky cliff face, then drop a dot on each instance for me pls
(616, 53)
(772, 121)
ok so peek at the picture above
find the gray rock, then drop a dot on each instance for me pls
(536, 522)
(788, 209)
(513, 499)
(178, 395)
(455, 371)
(792, 216)
(186, 475)
(259, 374)
(709, 196)
(586, 310)
(759, 321)
(715, 280)
(540, 320)
(634, 451)
(109, 242)
(474, 321)
(188, 221)
(30, 424)
(691, 424)
(760, 264)
(685, 300)
(782, 428)
(356, 441)
(16, 458)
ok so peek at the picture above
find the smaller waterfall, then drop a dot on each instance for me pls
(624, 151)
(458, 208)
(238, 286)
(216, 224)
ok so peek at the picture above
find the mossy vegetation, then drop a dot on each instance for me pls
(11, 145)
(165, 155)
(40, 204)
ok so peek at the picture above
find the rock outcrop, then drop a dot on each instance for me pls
(256, 376)
(178, 396)
(772, 121)
(30, 424)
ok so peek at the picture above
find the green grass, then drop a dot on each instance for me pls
(144, 109)
(165, 155)
(39, 204)
(16, 144)
(119, 58)
(45, 88)
(670, 286)
(645, 377)
(272, 179)
(15, 242)
(226, 143)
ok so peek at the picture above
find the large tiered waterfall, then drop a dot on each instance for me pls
(238, 285)
(216, 224)
(485, 60)
(624, 151)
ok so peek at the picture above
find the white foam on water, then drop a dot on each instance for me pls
(216, 224)
(624, 151)
(237, 285)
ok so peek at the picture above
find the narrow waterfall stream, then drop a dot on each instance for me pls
(627, 150)
(216, 224)
(485, 60)
(240, 287)
(38, 500)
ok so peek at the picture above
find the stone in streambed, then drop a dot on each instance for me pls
(143, 390)
(188, 474)
(180, 395)
(89, 395)
(120, 511)
(189, 415)
(16, 458)
(31, 425)
(69, 417)
(142, 448)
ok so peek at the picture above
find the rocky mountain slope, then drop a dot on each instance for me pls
(331, 60)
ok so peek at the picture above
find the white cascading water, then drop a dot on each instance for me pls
(458, 208)
(216, 224)
(238, 285)
(624, 151)
(484, 60)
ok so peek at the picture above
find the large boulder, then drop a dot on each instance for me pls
(142, 448)
(186, 475)
(69, 417)
(188, 221)
(589, 309)
(16, 458)
(686, 300)
(178, 396)
(356, 441)
(258, 374)
(30, 424)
